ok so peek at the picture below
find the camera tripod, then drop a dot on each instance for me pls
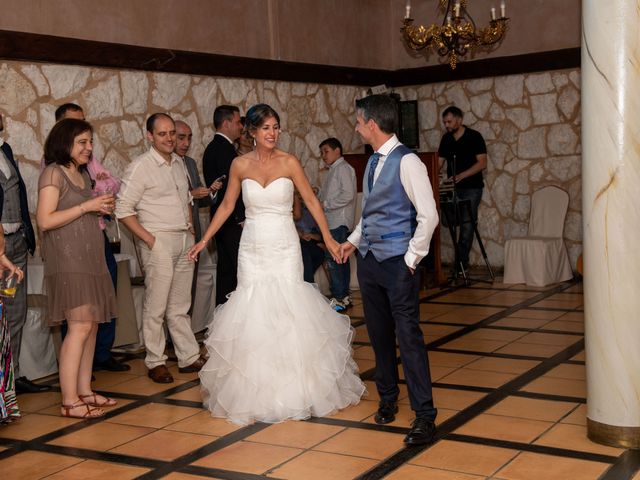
(452, 211)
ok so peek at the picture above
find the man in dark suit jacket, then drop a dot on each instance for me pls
(20, 240)
(216, 162)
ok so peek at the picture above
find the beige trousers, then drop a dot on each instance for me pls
(168, 275)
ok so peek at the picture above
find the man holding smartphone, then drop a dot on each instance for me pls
(216, 164)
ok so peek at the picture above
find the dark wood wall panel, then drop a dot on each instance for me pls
(50, 49)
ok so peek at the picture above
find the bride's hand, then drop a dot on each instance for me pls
(334, 249)
(194, 251)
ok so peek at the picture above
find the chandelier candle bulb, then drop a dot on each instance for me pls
(503, 9)
(408, 9)
(456, 9)
(493, 13)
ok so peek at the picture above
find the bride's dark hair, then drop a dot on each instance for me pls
(257, 115)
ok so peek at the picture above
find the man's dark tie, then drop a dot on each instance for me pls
(373, 163)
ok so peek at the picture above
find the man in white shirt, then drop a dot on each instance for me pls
(338, 197)
(155, 204)
(398, 219)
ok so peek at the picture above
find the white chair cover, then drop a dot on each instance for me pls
(540, 258)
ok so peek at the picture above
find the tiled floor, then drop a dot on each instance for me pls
(509, 383)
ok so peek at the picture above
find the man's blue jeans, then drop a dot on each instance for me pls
(339, 274)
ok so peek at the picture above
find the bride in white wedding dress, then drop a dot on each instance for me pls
(277, 350)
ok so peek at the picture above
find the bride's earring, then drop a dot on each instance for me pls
(254, 141)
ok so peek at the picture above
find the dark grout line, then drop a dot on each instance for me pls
(216, 445)
(550, 396)
(508, 356)
(533, 448)
(624, 468)
(448, 426)
(222, 474)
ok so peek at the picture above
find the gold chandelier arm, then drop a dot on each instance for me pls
(418, 37)
(493, 33)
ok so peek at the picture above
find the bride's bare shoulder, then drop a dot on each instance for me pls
(287, 158)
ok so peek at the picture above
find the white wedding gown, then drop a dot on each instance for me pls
(277, 350)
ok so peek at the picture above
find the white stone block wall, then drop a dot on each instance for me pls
(531, 124)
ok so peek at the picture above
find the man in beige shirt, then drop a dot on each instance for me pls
(154, 203)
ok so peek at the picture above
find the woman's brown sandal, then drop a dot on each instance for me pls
(109, 402)
(90, 413)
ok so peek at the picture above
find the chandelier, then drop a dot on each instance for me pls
(458, 33)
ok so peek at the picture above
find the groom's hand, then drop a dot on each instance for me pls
(346, 249)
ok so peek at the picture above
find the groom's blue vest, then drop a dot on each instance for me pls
(388, 216)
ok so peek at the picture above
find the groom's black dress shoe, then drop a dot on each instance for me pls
(386, 412)
(24, 385)
(422, 431)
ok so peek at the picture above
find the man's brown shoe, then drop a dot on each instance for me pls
(160, 374)
(194, 367)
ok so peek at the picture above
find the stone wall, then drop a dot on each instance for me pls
(117, 103)
(531, 124)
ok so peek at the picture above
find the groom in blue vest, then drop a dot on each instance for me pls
(398, 218)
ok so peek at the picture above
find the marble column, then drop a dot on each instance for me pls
(611, 218)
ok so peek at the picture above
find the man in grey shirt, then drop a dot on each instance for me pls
(338, 197)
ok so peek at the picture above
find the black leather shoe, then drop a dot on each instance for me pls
(24, 385)
(386, 412)
(112, 365)
(422, 431)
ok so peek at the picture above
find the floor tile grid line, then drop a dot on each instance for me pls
(13, 447)
(161, 467)
(550, 396)
(219, 473)
(625, 467)
(88, 454)
(369, 374)
(496, 316)
(501, 305)
(115, 412)
(403, 456)
(533, 448)
(216, 445)
(41, 442)
(576, 362)
(534, 330)
(509, 356)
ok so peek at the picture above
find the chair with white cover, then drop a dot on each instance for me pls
(540, 258)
